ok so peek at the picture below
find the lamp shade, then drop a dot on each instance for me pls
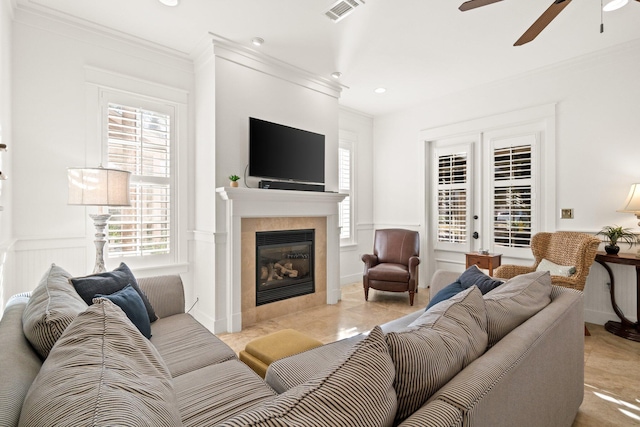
(98, 187)
(632, 204)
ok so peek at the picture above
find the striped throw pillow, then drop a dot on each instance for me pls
(357, 392)
(53, 305)
(512, 303)
(102, 372)
(435, 347)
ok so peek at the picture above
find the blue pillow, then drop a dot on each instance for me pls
(109, 282)
(130, 302)
(446, 293)
(472, 276)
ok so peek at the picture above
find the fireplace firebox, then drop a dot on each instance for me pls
(284, 264)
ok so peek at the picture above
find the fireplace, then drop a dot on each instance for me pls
(284, 265)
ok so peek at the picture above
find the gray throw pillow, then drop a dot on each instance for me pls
(53, 305)
(357, 391)
(513, 303)
(435, 347)
(102, 372)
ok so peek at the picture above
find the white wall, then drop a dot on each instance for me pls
(597, 150)
(6, 196)
(359, 127)
(244, 87)
(50, 116)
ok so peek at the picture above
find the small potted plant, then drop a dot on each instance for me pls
(615, 233)
(234, 180)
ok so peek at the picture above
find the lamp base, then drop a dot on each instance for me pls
(100, 222)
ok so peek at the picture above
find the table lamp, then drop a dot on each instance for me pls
(632, 204)
(99, 187)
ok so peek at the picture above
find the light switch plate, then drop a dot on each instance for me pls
(566, 214)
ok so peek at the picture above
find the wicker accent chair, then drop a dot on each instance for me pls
(563, 248)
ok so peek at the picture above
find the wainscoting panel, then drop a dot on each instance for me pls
(33, 258)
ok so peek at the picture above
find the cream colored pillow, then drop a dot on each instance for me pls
(556, 269)
(102, 372)
(53, 305)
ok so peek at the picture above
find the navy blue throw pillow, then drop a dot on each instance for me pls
(109, 282)
(474, 276)
(471, 276)
(130, 302)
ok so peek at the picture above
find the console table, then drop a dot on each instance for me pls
(625, 328)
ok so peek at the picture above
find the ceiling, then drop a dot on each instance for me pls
(416, 49)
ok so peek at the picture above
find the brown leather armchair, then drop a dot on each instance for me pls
(393, 266)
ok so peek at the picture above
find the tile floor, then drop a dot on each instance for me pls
(612, 364)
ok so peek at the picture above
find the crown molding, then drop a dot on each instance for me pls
(231, 51)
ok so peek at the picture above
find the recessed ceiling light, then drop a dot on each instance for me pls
(614, 5)
(169, 2)
(336, 74)
(380, 90)
(257, 41)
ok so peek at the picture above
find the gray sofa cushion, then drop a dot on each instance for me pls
(101, 372)
(355, 392)
(53, 305)
(515, 301)
(186, 345)
(435, 347)
(212, 394)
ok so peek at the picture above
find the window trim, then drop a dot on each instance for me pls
(99, 82)
(348, 140)
(448, 147)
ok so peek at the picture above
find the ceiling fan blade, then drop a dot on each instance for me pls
(542, 22)
(472, 4)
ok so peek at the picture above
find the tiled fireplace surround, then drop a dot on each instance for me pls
(250, 210)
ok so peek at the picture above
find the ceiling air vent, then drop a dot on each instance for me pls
(342, 8)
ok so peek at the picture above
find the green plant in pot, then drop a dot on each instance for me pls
(234, 180)
(614, 234)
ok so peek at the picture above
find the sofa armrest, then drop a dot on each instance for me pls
(165, 293)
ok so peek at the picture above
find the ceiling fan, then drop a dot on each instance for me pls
(545, 19)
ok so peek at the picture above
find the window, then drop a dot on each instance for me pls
(512, 192)
(139, 140)
(345, 167)
(452, 198)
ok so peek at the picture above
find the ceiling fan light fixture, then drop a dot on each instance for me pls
(170, 3)
(614, 5)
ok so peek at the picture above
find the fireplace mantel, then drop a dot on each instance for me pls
(262, 203)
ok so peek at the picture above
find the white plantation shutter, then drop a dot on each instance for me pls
(344, 184)
(453, 196)
(512, 195)
(139, 141)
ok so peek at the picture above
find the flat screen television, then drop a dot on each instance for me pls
(285, 153)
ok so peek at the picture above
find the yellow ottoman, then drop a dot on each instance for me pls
(261, 352)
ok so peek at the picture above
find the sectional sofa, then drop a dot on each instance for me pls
(511, 358)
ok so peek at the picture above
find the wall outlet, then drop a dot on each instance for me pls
(566, 214)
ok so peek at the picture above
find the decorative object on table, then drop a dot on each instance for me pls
(632, 204)
(234, 180)
(99, 187)
(615, 233)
